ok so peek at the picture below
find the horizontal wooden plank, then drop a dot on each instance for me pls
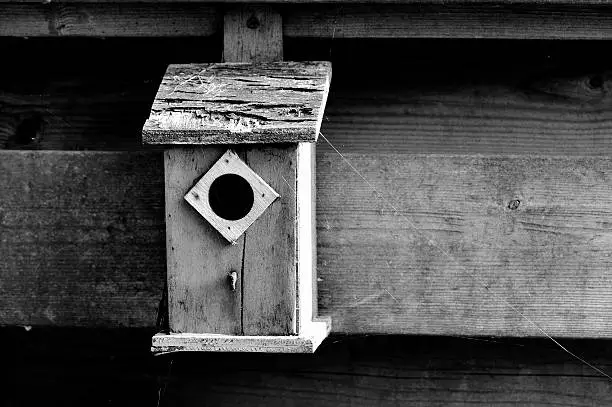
(547, 98)
(90, 223)
(80, 366)
(82, 238)
(518, 20)
(449, 21)
(237, 103)
(398, 371)
(456, 242)
(107, 20)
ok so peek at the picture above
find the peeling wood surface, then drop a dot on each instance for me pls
(235, 103)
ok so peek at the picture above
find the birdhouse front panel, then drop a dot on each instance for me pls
(202, 259)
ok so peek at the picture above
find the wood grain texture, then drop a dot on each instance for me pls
(549, 257)
(392, 371)
(239, 103)
(454, 19)
(81, 237)
(261, 194)
(72, 367)
(474, 20)
(107, 20)
(306, 342)
(252, 34)
(199, 259)
(549, 98)
(306, 232)
(224, 343)
(460, 240)
(269, 278)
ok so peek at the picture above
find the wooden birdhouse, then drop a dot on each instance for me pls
(240, 204)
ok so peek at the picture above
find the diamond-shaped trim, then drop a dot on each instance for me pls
(263, 196)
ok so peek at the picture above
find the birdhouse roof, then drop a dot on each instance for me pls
(235, 103)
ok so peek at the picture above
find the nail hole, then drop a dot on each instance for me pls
(230, 197)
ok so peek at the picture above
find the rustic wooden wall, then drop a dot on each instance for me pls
(113, 368)
(82, 231)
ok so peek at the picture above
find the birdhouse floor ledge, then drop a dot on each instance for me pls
(307, 342)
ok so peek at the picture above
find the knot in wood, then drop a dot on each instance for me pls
(514, 204)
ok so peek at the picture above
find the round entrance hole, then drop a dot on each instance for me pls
(230, 197)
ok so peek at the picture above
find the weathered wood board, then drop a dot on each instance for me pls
(94, 367)
(116, 19)
(199, 259)
(252, 33)
(549, 258)
(82, 238)
(546, 99)
(483, 21)
(524, 231)
(271, 252)
(237, 103)
(548, 19)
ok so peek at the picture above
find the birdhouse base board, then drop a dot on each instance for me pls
(306, 342)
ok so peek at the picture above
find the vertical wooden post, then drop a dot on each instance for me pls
(255, 34)
(252, 34)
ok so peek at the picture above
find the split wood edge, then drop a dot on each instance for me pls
(239, 103)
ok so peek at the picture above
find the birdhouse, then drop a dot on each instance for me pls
(240, 205)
